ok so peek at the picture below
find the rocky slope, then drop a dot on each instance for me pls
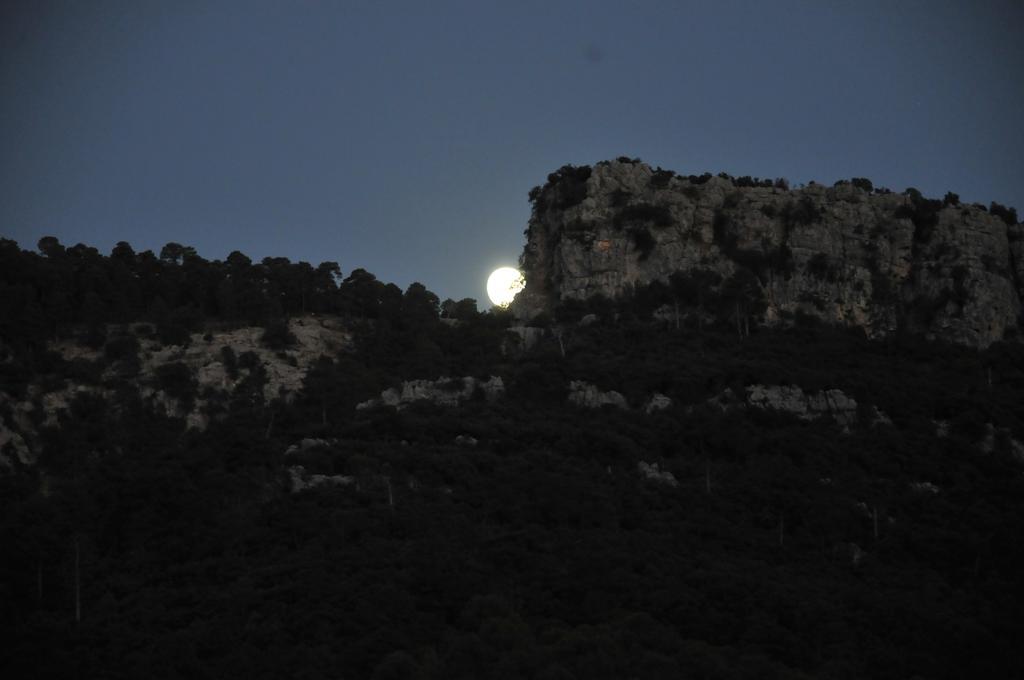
(846, 254)
(212, 373)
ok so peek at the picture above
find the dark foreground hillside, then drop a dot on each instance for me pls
(520, 536)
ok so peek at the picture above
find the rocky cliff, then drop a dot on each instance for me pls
(848, 254)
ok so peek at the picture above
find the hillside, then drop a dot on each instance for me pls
(239, 469)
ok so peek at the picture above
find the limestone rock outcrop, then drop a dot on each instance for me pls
(793, 400)
(657, 402)
(443, 392)
(300, 480)
(589, 396)
(652, 472)
(845, 254)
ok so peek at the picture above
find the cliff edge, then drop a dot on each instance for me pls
(848, 254)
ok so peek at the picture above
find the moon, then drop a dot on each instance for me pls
(503, 284)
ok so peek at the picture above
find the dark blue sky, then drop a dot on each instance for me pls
(403, 137)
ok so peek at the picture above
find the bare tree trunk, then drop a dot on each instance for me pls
(782, 530)
(561, 345)
(707, 476)
(391, 496)
(39, 581)
(874, 520)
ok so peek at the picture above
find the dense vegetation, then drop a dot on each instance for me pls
(137, 548)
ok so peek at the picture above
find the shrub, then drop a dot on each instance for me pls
(276, 335)
(802, 212)
(748, 181)
(171, 333)
(960, 293)
(820, 267)
(230, 361)
(1008, 215)
(923, 212)
(248, 360)
(780, 260)
(661, 178)
(176, 380)
(950, 199)
(862, 183)
(567, 186)
(732, 199)
(881, 287)
(643, 241)
(619, 198)
(721, 225)
(659, 215)
(121, 347)
(755, 261)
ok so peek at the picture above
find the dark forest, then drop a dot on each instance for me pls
(523, 536)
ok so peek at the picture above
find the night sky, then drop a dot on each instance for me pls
(404, 137)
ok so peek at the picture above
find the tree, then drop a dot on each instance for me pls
(463, 310)
(694, 288)
(175, 253)
(742, 298)
(50, 247)
(420, 307)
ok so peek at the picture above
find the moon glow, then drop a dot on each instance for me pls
(503, 284)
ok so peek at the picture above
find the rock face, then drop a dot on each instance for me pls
(443, 392)
(845, 255)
